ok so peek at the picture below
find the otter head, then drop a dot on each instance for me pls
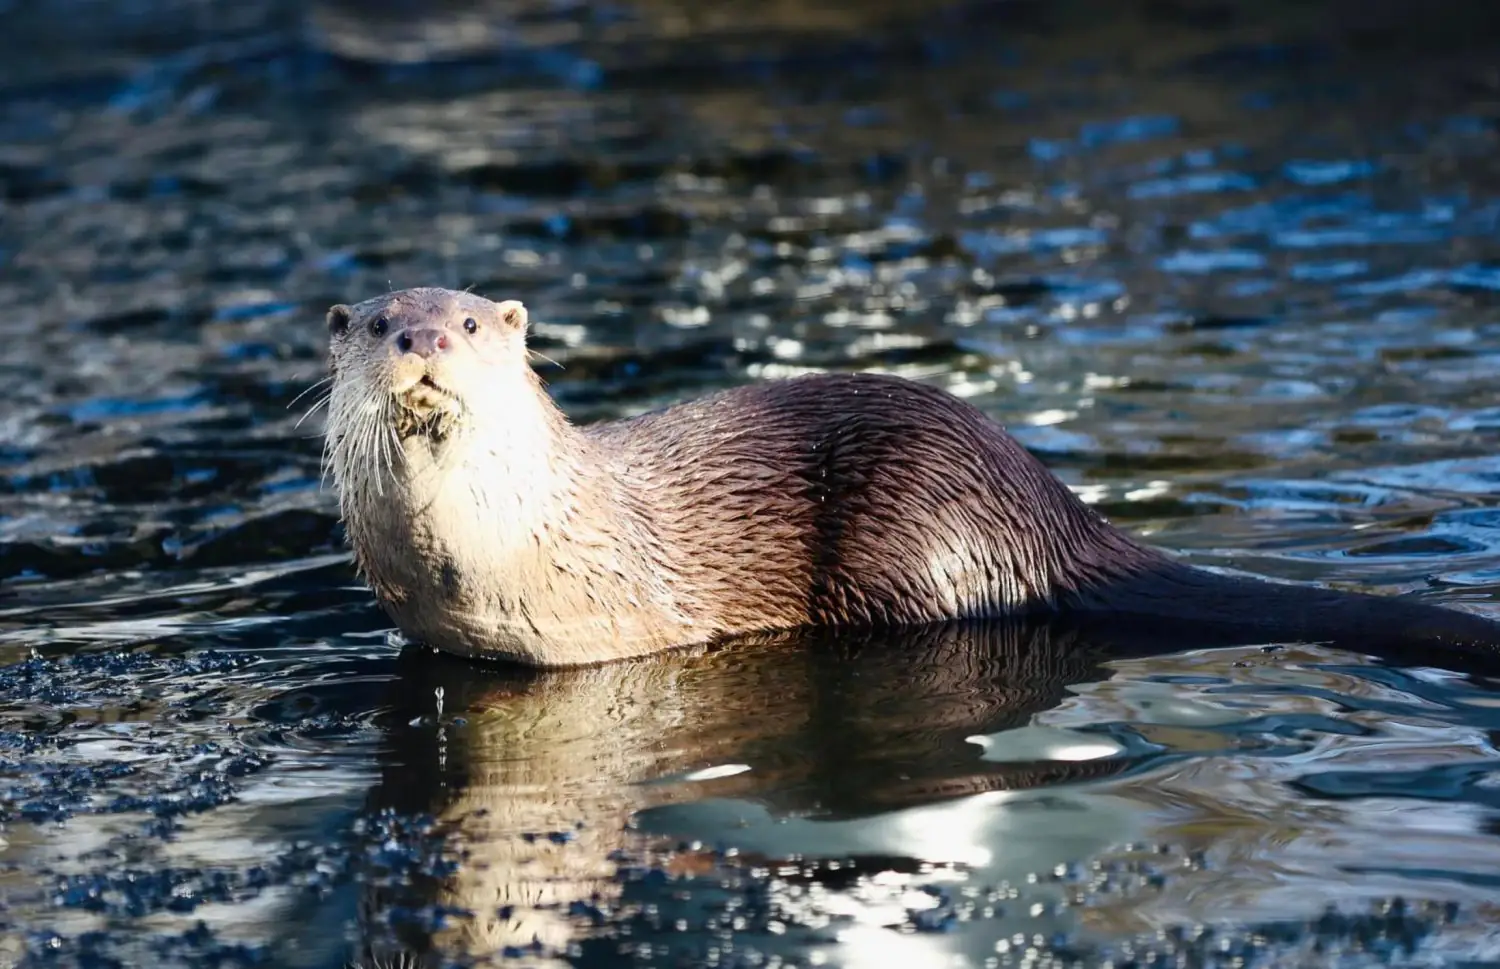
(423, 358)
(412, 371)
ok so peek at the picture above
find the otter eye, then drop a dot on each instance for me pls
(378, 326)
(470, 326)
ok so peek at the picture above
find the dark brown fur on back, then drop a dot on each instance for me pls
(865, 500)
(858, 499)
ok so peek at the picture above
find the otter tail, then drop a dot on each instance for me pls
(1214, 609)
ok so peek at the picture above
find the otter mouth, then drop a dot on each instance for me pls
(427, 408)
(427, 383)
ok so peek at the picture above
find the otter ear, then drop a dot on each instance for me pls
(513, 314)
(338, 319)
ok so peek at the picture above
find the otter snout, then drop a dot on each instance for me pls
(426, 342)
(418, 375)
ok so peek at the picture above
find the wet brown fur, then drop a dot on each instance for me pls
(490, 526)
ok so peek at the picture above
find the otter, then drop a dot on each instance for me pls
(491, 526)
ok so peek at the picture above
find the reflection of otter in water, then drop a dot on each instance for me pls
(535, 775)
(490, 526)
(538, 784)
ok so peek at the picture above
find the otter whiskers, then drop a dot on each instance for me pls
(317, 405)
(364, 439)
(542, 356)
(309, 389)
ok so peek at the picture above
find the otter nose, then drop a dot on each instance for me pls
(424, 343)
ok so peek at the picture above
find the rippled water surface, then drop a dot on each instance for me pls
(1231, 270)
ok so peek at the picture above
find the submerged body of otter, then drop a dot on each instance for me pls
(493, 527)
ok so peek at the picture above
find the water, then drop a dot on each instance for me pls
(1231, 270)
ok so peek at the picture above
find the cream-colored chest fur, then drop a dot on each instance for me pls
(487, 546)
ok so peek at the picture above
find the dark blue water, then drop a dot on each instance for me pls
(1231, 270)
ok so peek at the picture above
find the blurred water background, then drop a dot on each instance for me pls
(1230, 268)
